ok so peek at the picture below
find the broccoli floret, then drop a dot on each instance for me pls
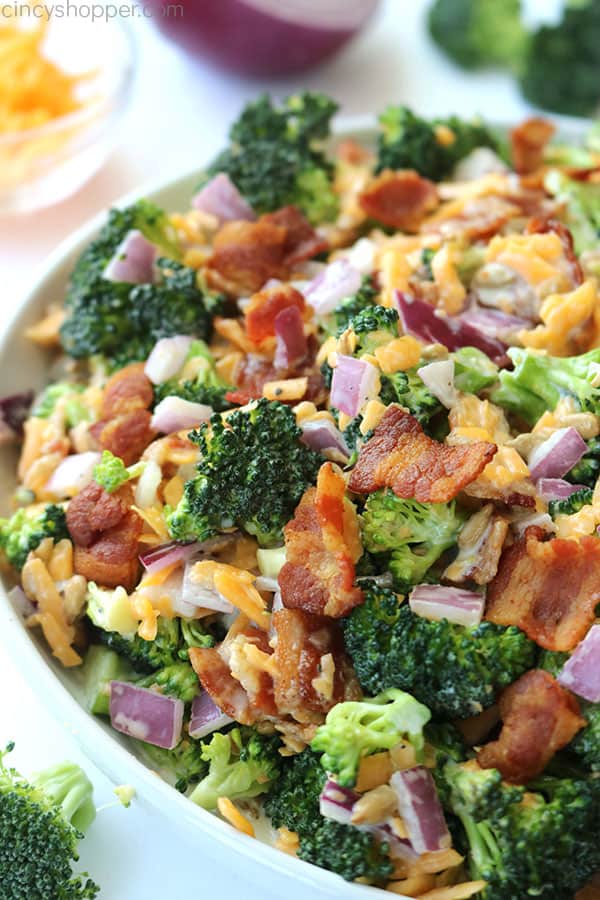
(454, 670)
(275, 156)
(413, 534)
(252, 472)
(185, 763)
(407, 389)
(374, 326)
(473, 370)
(363, 299)
(477, 33)
(538, 382)
(570, 505)
(148, 656)
(355, 729)
(543, 844)
(178, 680)
(587, 470)
(111, 473)
(67, 395)
(41, 823)
(198, 382)
(581, 201)
(293, 803)
(27, 528)
(407, 141)
(123, 321)
(242, 764)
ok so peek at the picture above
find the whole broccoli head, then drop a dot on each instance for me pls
(478, 33)
(587, 470)
(363, 299)
(252, 472)
(185, 763)
(407, 389)
(293, 803)
(169, 647)
(242, 764)
(581, 203)
(123, 321)
(275, 157)
(354, 729)
(431, 147)
(454, 670)
(414, 535)
(27, 528)
(572, 504)
(538, 382)
(541, 844)
(374, 326)
(198, 381)
(65, 395)
(41, 823)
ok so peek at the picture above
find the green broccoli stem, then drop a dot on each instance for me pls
(66, 785)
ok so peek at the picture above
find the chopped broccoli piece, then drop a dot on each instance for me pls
(413, 534)
(41, 823)
(252, 472)
(123, 321)
(185, 763)
(198, 381)
(275, 158)
(242, 764)
(586, 471)
(293, 803)
(581, 200)
(111, 473)
(538, 382)
(478, 33)
(102, 666)
(170, 646)
(572, 504)
(178, 680)
(407, 389)
(364, 298)
(27, 528)
(542, 844)
(473, 370)
(455, 671)
(67, 395)
(355, 729)
(407, 141)
(373, 327)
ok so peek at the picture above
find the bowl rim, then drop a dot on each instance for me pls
(34, 664)
(121, 90)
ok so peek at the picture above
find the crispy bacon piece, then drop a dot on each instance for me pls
(550, 589)
(254, 372)
(312, 672)
(302, 241)
(245, 255)
(399, 199)
(540, 225)
(126, 390)
(351, 152)
(400, 456)
(105, 572)
(322, 544)
(539, 718)
(126, 436)
(92, 511)
(528, 141)
(264, 307)
(219, 683)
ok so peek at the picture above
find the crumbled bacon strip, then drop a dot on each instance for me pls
(539, 718)
(126, 390)
(549, 589)
(264, 307)
(302, 241)
(400, 456)
(322, 545)
(528, 141)
(302, 640)
(217, 680)
(125, 424)
(399, 199)
(541, 225)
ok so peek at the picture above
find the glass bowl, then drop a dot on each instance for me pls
(40, 166)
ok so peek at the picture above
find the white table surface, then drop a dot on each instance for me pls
(178, 120)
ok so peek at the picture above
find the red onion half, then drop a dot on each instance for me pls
(146, 715)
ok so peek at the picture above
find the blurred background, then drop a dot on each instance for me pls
(169, 111)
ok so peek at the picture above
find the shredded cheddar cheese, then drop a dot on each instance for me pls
(398, 355)
(564, 317)
(235, 585)
(451, 290)
(231, 813)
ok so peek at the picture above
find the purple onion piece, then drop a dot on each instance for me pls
(166, 554)
(146, 715)
(20, 602)
(337, 802)
(176, 414)
(321, 434)
(167, 357)
(291, 346)
(338, 281)
(202, 597)
(206, 717)
(421, 810)
(437, 602)
(14, 409)
(556, 488)
(133, 261)
(493, 323)
(581, 672)
(220, 198)
(354, 382)
(557, 455)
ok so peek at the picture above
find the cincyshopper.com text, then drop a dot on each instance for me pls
(95, 12)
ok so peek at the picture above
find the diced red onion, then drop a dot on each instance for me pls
(321, 434)
(276, 605)
(421, 810)
(220, 198)
(14, 409)
(479, 162)
(337, 802)
(167, 358)
(362, 255)
(20, 602)
(420, 318)
(265, 583)
(581, 672)
(493, 323)
(338, 281)
(146, 715)
(556, 488)
(146, 490)
(437, 601)
(176, 414)
(399, 847)
(438, 378)
(166, 554)
(557, 455)
(206, 717)
(133, 261)
(354, 382)
(202, 597)
(290, 341)
(72, 474)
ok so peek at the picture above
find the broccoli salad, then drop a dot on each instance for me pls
(312, 504)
